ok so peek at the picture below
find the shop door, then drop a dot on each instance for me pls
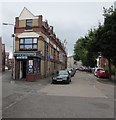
(24, 66)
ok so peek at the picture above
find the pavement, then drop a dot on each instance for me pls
(10, 86)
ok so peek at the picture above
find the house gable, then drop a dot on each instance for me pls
(26, 14)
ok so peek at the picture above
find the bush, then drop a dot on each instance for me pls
(112, 69)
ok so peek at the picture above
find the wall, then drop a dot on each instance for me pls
(0, 54)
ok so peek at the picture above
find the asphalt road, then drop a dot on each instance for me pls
(85, 97)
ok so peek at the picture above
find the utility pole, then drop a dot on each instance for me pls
(13, 42)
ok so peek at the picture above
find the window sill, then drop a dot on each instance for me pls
(29, 30)
(28, 50)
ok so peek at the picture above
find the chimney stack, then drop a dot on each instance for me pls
(40, 20)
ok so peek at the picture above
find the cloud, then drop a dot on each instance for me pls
(70, 20)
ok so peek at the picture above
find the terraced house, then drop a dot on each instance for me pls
(38, 52)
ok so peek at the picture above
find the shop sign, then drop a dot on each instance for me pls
(26, 55)
(22, 55)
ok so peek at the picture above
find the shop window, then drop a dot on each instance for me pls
(30, 66)
(28, 44)
(34, 65)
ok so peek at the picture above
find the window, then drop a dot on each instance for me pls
(22, 41)
(37, 65)
(35, 40)
(34, 65)
(30, 66)
(28, 41)
(34, 46)
(28, 44)
(28, 24)
(22, 46)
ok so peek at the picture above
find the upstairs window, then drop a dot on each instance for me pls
(28, 44)
(28, 24)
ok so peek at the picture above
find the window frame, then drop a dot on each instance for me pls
(28, 24)
(31, 44)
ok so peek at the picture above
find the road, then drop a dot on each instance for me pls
(84, 97)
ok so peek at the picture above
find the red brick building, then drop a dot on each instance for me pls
(103, 62)
(38, 52)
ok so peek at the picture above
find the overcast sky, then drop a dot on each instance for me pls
(71, 20)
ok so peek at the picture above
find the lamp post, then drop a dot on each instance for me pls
(13, 61)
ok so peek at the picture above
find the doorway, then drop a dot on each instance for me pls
(24, 67)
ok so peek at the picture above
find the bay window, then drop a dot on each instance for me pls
(28, 44)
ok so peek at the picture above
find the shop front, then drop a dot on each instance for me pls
(28, 66)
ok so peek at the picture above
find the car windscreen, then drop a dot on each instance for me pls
(63, 73)
(99, 69)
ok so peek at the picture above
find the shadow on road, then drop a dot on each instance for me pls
(106, 81)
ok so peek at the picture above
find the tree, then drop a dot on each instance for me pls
(80, 50)
(98, 40)
(83, 51)
(105, 37)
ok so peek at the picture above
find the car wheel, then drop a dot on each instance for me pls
(68, 82)
(53, 82)
(98, 76)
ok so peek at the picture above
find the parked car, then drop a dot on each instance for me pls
(61, 76)
(88, 69)
(72, 71)
(81, 68)
(96, 70)
(102, 73)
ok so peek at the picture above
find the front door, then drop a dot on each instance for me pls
(24, 68)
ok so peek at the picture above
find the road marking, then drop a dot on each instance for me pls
(15, 102)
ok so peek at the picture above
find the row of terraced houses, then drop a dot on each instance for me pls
(38, 52)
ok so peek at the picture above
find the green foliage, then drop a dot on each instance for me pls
(102, 39)
(112, 69)
(83, 50)
(108, 36)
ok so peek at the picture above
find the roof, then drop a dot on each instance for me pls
(26, 14)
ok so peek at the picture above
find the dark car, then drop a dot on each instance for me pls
(61, 76)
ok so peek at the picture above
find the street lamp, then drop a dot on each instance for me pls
(8, 24)
(13, 36)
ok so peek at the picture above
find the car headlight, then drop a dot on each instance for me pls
(54, 78)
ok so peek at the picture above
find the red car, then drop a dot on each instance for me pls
(102, 73)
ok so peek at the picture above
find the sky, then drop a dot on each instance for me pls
(71, 20)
